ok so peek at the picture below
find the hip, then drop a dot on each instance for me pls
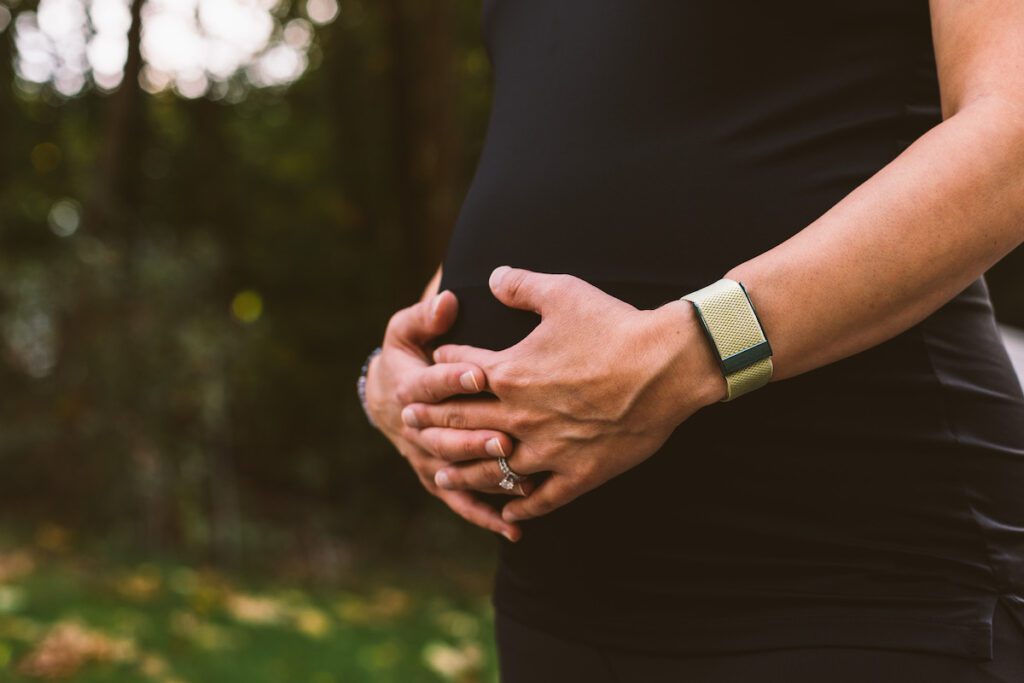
(527, 653)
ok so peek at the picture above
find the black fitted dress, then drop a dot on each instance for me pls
(647, 146)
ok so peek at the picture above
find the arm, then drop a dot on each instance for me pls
(921, 229)
(598, 386)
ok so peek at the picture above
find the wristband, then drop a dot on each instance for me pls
(361, 385)
(735, 333)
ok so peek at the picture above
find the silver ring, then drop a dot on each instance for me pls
(511, 478)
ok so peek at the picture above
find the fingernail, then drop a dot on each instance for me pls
(496, 276)
(493, 447)
(441, 479)
(509, 516)
(409, 417)
(468, 380)
(508, 535)
(434, 304)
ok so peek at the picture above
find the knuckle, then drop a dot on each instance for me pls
(426, 387)
(496, 378)
(403, 393)
(520, 421)
(395, 323)
(504, 376)
(437, 445)
(428, 448)
(541, 452)
(454, 420)
(429, 444)
(450, 451)
(513, 282)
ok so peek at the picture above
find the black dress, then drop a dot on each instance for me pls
(647, 146)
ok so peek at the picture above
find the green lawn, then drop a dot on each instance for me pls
(68, 617)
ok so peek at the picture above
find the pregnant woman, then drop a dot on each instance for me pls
(665, 515)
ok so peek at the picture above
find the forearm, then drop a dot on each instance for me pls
(899, 246)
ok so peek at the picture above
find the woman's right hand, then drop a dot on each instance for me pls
(406, 362)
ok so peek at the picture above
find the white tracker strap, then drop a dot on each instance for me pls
(733, 328)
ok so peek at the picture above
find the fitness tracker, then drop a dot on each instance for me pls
(735, 333)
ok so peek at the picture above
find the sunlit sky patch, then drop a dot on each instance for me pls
(187, 45)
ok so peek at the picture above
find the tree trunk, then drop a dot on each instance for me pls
(426, 133)
(117, 197)
(114, 213)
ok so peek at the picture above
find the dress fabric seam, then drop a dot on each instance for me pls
(997, 582)
(783, 620)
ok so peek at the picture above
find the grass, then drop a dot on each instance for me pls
(65, 616)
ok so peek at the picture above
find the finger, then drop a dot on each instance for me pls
(463, 503)
(464, 353)
(477, 512)
(435, 383)
(481, 475)
(551, 494)
(527, 289)
(485, 474)
(456, 445)
(414, 326)
(471, 413)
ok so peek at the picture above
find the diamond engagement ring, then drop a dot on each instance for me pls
(511, 478)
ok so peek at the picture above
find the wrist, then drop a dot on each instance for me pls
(367, 388)
(696, 376)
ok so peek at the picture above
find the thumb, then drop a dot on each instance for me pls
(526, 289)
(439, 313)
(416, 325)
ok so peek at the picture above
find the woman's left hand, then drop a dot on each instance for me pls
(594, 389)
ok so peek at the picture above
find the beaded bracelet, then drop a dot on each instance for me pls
(361, 385)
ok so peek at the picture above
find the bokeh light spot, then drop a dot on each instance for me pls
(322, 11)
(65, 217)
(193, 47)
(247, 306)
(298, 33)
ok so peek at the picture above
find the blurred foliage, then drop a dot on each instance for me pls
(189, 286)
(65, 614)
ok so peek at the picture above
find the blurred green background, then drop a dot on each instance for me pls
(208, 211)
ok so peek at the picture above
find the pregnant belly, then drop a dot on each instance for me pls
(805, 484)
(486, 322)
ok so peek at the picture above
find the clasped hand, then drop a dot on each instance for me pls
(594, 389)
